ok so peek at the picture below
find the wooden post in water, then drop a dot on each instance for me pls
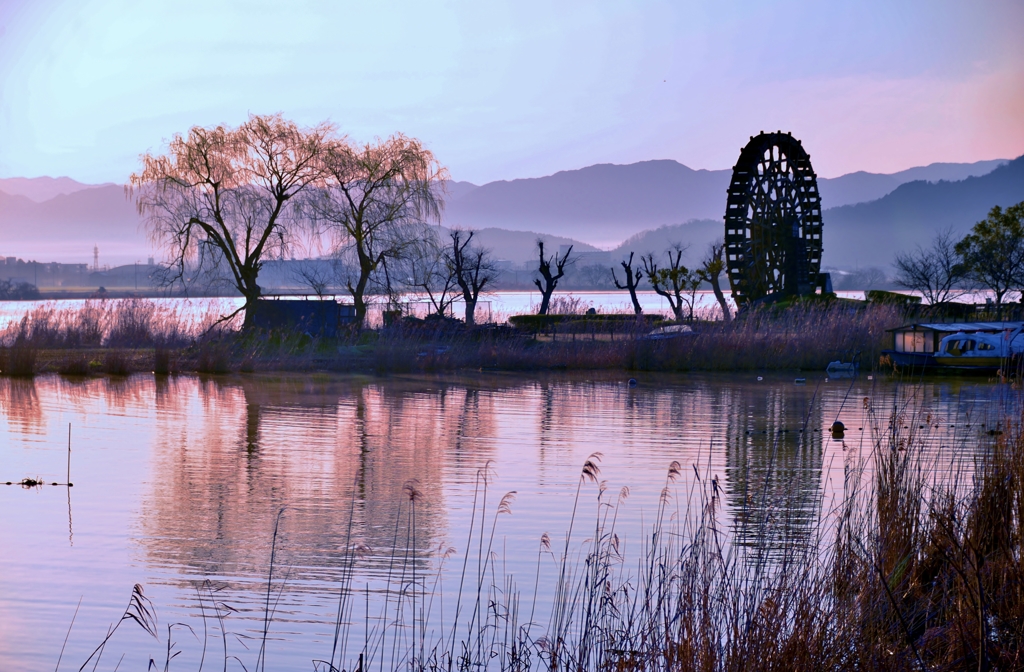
(69, 455)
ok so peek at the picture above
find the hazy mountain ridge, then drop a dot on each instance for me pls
(40, 189)
(912, 213)
(67, 226)
(861, 187)
(869, 234)
(609, 202)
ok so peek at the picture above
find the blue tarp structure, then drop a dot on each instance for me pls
(308, 316)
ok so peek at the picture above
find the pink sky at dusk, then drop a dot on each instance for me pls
(517, 89)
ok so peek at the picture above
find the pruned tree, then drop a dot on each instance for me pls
(473, 269)
(547, 288)
(633, 276)
(712, 267)
(374, 205)
(993, 252)
(676, 282)
(937, 272)
(222, 200)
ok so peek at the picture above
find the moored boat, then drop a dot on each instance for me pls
(980, 350)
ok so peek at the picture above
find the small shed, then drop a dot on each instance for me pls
(309, 316)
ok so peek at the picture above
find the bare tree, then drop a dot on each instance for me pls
(867, 278)
(711, 271)
(221, 199)
(937, 273)
(676, 283)
(550, 279)
(593, 276)
(377, 198)
(473, 270)
(431, 271)
(319, 275)
(632, 280)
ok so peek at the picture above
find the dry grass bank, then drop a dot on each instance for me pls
(132, 335)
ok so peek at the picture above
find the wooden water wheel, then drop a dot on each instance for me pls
(773, 221)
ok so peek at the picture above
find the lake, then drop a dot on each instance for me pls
(179, 483)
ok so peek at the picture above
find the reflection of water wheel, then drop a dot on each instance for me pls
(773, 221)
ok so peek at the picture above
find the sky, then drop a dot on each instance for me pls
(509, 89)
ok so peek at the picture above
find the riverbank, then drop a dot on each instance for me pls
(133, 337)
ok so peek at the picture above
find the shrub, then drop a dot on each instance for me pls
(213, 356)
(73, 364)
(116, 363)
(161, 360)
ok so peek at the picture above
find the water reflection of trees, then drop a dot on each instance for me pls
(230, 455)
(19, 402)
(774, 459)
(753, 434)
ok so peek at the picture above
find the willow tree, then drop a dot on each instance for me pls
(375, 204)
(222, 200)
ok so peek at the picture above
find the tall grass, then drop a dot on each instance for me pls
(917, 566)
(806, 336)
(131, 322)
(801, 337)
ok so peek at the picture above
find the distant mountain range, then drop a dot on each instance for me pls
(39, 189)
(606, 203)
(641, 207)
(869, 234)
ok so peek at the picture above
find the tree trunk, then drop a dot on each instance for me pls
(545, 300)
(636, 302)
(470, 312)
(717, 287)
(251, 292)
(358, 300)
(247, 320)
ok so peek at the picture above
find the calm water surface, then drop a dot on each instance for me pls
(181, 480)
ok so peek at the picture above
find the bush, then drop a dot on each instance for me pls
(19, 291)
(116, 363)
(214, 356)
(74, 365)
(161, 361)
(20, 360)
